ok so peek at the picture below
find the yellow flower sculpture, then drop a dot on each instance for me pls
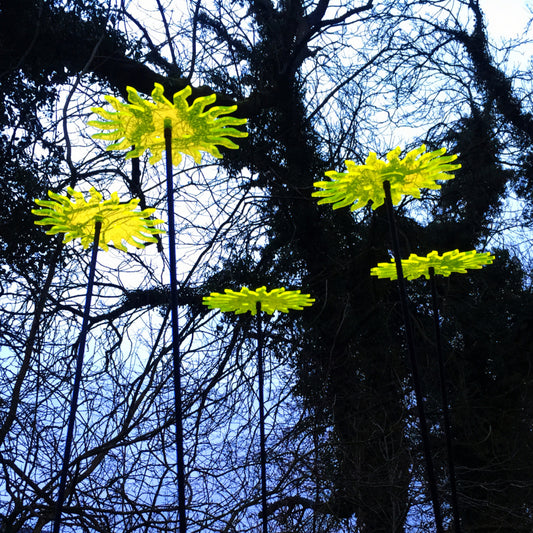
(140, 125)
(445, 264)
(364, 183)
(246, 300)
(77, 217)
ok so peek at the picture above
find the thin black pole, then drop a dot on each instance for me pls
(316, 471)
(444, 398)
(262, 437)
(77, 380)
(430, 471)
(175, 332)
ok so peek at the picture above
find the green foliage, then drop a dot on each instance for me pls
(36, 34)
(468, 203)
(489, 330)
(22, 244)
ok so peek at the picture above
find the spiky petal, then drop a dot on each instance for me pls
(76, 218)
(246, 300)
(139, 125)
(445, 264)
(407, 176)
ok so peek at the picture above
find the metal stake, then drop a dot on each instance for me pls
(430, 471)
(77, 381)
(175, 332)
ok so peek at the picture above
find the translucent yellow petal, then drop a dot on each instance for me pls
(76, 218)
(445, 264)
(364, 183)
(246, 300)
(140, 124)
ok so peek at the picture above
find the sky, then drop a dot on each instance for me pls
(507, 18)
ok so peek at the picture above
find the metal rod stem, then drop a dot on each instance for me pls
(262, 436)
(430, 470)
(444, 398)
(175, 332)
(77, 381)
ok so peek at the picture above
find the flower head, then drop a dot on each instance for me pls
(362, 183)
(445, 264)
(77, 218)
(140, 125)
(247, 300)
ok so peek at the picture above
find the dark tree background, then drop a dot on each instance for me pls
(319, 83)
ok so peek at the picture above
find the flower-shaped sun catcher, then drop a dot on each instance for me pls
(95, 221)
(414, 267)
(247, 300)
(76, 217)
(140, 125)
(445, 264)
(364, 183)
(259, 300)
